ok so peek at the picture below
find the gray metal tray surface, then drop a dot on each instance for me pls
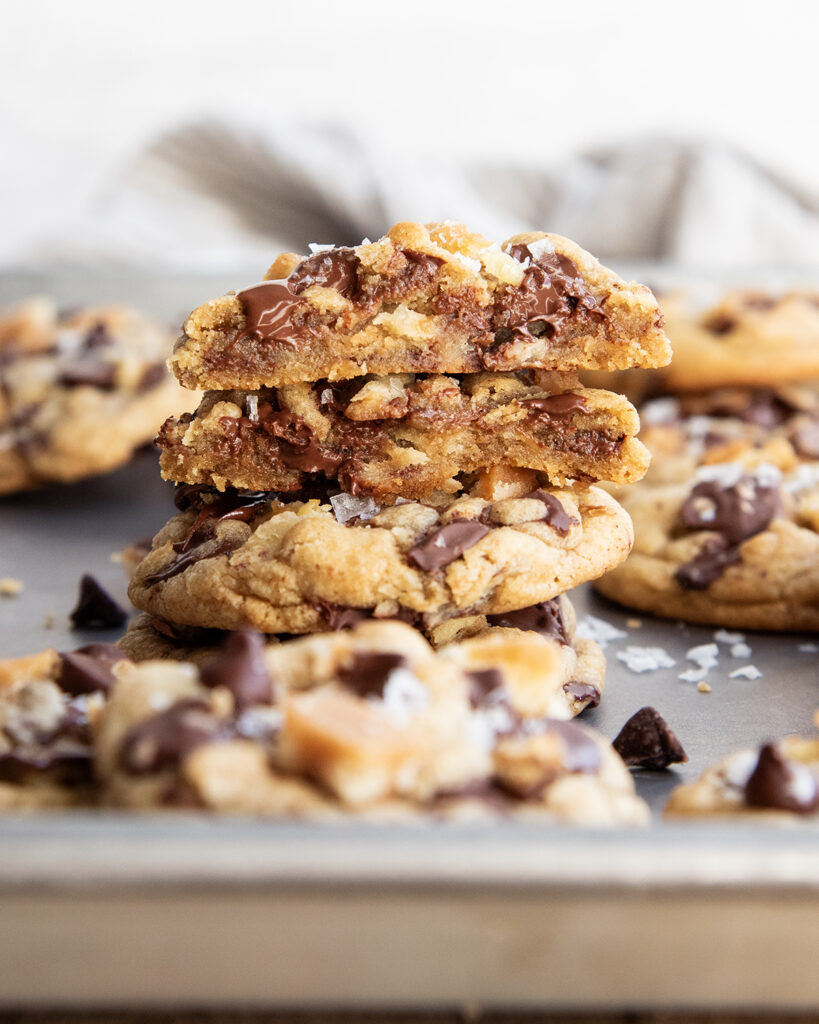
(113, 910)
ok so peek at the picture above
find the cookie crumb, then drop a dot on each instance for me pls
(634, 623)
(10, 587)
(703, 687)
(48, 621)
(645, 659)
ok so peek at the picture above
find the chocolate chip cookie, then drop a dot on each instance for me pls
(777, 784)
(431, 298)
(251, 559)
(734, 546)
(368, 723)
(402, 435)
(80, 391)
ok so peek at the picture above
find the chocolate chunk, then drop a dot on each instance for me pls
(88, 669)
(90, 373)
(761, 407)
(447, 543)
(582, 753)
(720, 323)
(240, 667)
(708, 565)
(96, 609)
(337, 617)
(271, 313)
(229, 506)
(67, 762)
(582, 692)
(163, 741)
(555, 515)
(367, 673)
(778, 785)
(97, 337)
(335, 268)
(545, 618)
(805, 440)
(298, 445)
(482, 683)
(152, 375)
(184, 561)
(647, 741)
(547, 298)
(556, 406)
(736, 512)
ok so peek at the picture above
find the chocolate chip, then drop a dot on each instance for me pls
(555, 515)
(163, 741)
(272, 313)
(720, 323)
(736, 512)
(240, 667)
(778, 785)
(647, 741)
(582, 692)
(482, 683)
(367, 673)
(545, 618)
(708, 565)
(556, 406)
(152, 375)
(88, 669)
(298, 445)
(181, 562)
(96, 609)
(90, 373)
(582, 753)
(97, 337)
(446, 544)
(334, 268)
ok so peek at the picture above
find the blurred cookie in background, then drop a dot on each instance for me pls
(80, 391)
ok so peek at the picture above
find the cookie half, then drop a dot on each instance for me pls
(431, 298)
(402, 435)
(228, 561)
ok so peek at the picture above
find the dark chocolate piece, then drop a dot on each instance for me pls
(88, 670)
(447, 543)
(555, 515)
(90, 373)
(95, 608)
(184, 561)
(270, 312)
(545, 618)
(164, 740)
(482, 683)
(152, 375)
(367, 674)
(556, 406)
(299, 447)
(582, 753)
(647, 741)
(774, 784)
(334, 268)
(240, 667)
(708, 565)
(97, 337)
(736, 512)
(583, 692)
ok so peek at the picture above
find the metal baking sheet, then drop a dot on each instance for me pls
(190, 911)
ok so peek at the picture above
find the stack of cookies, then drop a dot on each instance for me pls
(727, 519)
(396, 431)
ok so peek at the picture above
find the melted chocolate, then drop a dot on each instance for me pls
(335, 268)
(582, 692)
(240, 667)
(708, 565)
(272, 313)
(555, 515)
(545, 618)
(152, 375)
(582, 753)
(367, 673)
(185, 561)
(556, 406)
(95, 608)
(88, 372)
(298, 445)
(163, 741)
(482, 683)
(647, 741)
(84, 672)
(446, 544)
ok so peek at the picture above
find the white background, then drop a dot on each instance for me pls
(85, 83)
